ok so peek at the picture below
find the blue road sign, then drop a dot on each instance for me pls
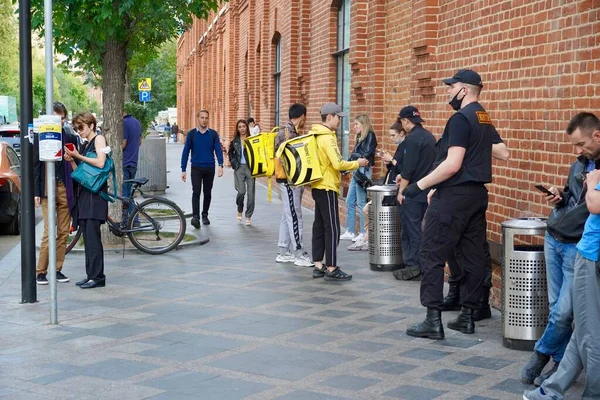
(145, 96)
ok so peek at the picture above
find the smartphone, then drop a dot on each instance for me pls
(544, 190)
(70, 146)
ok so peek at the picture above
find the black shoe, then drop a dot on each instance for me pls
(93, 284)
(430, 328)
(195, 222)
(61, 278)
(319, 273)
(482, 313)
(410, 272)
(336, 275)
(534, 367)
(205, 220)
(82, 282)
(452, 299)
(540, 379)
(41, 279)
(464, 322)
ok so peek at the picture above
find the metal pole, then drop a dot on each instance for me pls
(28, 286)
(50, 167)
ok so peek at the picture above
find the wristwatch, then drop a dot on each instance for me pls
(221, 165)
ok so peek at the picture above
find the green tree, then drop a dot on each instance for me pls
(102, 35)
(162, 69)
(9, 50)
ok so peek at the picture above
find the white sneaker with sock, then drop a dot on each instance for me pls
(304, 260)
(359, 238)
(285, 258)
(347, 235)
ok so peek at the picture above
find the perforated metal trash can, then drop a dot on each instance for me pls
(524, 286)
(385, 249)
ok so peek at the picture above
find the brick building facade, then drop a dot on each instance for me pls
(539, 59)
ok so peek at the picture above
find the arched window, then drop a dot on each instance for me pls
(343, 72)
(277, 78)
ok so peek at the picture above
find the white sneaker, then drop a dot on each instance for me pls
(285, 258)
(356, 246)
(365, 246)
(359, 238)
(347, 236)
(304, 261)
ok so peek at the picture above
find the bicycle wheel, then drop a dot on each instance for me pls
(158, 226)
(73, 239)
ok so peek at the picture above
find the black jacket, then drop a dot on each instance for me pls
(395, 170)
(567, 219)
(365, 148)
(235, 153)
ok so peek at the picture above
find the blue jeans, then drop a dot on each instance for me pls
(356, 194)
(129, 172)
(560, 265)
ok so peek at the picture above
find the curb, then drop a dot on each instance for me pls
(184, 245)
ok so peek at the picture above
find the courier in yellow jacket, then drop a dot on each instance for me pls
(326, 228)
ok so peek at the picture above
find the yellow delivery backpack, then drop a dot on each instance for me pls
(300, 159)
(261, 151)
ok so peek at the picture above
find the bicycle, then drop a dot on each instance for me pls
(154, 221)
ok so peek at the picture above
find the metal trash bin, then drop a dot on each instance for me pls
(524, 286)
(385, 247)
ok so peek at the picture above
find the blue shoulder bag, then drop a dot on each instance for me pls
(93, 178)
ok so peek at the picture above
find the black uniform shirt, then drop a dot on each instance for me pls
(472, 129)
(419, 154)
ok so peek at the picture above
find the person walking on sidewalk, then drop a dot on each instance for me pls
(565, 227)
(456, 214)
(132, 140)
(204, 144)
(65, 199)
(244, 182)
(90, 210)
(583, 349)
(325, 191)
(290, 244)
(419, 155)
(366, 144)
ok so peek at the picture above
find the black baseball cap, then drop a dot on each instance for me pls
(411, 113)
(467, 76)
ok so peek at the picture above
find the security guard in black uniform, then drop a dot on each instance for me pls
(456, 214)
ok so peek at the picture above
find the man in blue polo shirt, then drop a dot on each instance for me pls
(204, 144)
(132, 139)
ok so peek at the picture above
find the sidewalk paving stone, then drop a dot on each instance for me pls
(225, 321)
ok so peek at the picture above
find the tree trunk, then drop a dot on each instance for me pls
(114, 65)
(127, 89)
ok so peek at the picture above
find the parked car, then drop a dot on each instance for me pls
(11, 134)
(10, 190)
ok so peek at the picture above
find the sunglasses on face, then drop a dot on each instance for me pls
(80, 128)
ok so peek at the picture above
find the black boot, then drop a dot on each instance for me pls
(484, 311)
(430, 328)
(464, 322)
(452, 300)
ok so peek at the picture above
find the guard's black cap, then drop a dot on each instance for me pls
(465, 76)
(412, 114)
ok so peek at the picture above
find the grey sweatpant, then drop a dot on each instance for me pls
(244, 183)
(583, 351)
(290, 227)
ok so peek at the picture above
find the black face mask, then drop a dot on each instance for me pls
(455, 103)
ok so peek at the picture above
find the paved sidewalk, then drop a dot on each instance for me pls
(224, 321)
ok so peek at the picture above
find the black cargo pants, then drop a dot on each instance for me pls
(456, 272)
(455, 219)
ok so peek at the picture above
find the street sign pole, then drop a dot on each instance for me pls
(28, 285)
(50, 167)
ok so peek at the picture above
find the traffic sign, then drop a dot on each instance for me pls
(144, 96)
(145, 84)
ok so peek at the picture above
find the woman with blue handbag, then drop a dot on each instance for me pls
(90, 210)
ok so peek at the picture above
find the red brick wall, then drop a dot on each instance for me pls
(539, 59)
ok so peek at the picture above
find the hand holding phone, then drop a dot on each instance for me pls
(70, 146)
(544, 190)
